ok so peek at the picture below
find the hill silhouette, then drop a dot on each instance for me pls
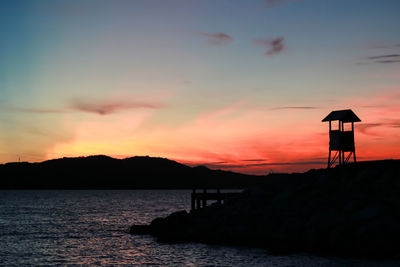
(103, 172)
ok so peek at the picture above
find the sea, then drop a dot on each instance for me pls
(90, 227)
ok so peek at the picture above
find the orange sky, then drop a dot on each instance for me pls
(240, 137)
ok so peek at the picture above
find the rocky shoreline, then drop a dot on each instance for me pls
(350, 210)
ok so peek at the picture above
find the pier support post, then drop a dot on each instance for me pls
(193, 199)
(219, 196)
(198, 203)
(204, 198)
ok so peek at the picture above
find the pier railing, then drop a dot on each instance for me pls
(199, 199)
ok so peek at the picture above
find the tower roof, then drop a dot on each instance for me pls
(346, 115)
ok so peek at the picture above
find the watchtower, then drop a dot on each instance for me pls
(341, 140)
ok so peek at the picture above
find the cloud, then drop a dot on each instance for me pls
(254, 160)
(381, 46)
(389, 58)
(275, 3)
(33, 110)
(273, 45)
(105, 108)
(394, 123)
(365, 128)
(295, 107)
(387, 61)
(101, 108)
(233, 166)
(385, 56)
(287, 163)
(383, 59)
(218, 39)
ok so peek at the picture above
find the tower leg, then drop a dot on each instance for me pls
(354, 155)
(329, 159)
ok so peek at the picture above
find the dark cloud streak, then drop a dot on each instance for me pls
(105, 108)
(385, 56)
(33, 110)
(217, 39)
(274, 45)
(381, 59)
(294, 107)
(382, 46)
(275, 3)
(387, 61)
(229, 166)
(101, 108)
(366, 127)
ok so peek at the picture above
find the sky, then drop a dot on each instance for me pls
(233, 85)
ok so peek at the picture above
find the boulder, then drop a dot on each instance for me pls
(139, 230)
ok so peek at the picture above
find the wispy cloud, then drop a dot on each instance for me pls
(385, 56)
(109, 107)
(275, 3)
(294, 107)
(390, 54)
(218, 38)
(32, 110)
(366, 128)
(387, 61)
(101, 108)
(273, 45)
(286, 163)
(234, 166)
(394, 123)
(381, 46)
(382, 59)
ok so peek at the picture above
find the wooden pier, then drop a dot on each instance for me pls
(199, 199)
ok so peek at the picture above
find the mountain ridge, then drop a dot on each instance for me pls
(104, 172)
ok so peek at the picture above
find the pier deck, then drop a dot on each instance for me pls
(199, 199)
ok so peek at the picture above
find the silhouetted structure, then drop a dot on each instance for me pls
(341, 140)
(201, 198)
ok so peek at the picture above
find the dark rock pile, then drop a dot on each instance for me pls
(349, 210)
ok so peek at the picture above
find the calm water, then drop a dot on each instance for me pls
(90, 227)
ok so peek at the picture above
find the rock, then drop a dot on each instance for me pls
(367, 213)
(351, 210)
(172, 228)
(139, 230)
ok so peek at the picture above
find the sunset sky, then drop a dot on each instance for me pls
(235, 85)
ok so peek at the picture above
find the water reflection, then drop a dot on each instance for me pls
(90, 227)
